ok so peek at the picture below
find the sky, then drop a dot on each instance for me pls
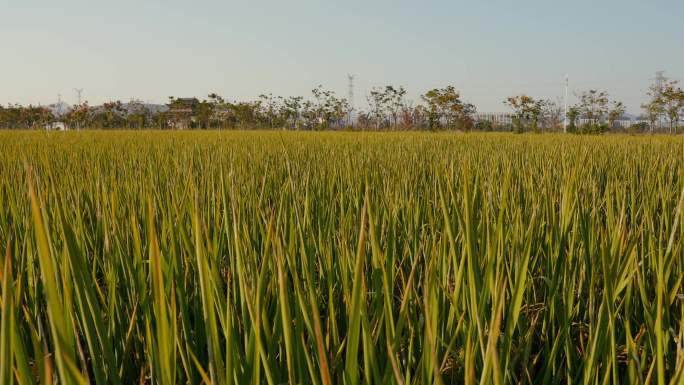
(488, 50)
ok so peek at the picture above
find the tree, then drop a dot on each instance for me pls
(377, 101)
(574, 113)
(617, 109)
(34, 116)
(419, 116)
(221, 112)
(387, 105)
(655, 108)
(594, 107)
(364, 120)
(340, 110)
(138, 115)
(245, 114)
(270, 109)
(672, 101)
(12, 117)
(552, 115)
(408, 116)
(108, 115)
(291, 110)
(527, 111)
(520, 105)
(203, 113)
(78, 116)
(182, 112)
(328, 109)
(445, 106)
(394, 101)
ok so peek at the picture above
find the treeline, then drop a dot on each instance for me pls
(133, 115)
(387, 109)
(594, 113)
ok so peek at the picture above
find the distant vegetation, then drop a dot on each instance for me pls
(387, 109)
(278, 257)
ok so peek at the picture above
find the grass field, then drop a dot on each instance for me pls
(340, 258)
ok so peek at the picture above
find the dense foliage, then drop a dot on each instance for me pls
(387, 109)
(267, 257)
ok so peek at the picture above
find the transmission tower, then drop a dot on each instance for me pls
(660, 78)
(350, 96)
(79, 91)
(658, 82)
(657, 88)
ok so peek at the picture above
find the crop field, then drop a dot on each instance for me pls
(340, 258)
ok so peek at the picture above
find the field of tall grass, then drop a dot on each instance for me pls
(340, 258)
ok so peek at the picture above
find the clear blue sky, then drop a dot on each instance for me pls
(240, 49)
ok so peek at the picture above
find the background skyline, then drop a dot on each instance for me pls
(488, 51)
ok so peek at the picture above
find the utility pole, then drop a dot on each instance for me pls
(565, 102)
(79, 91)
(350, 96)
(58, 107)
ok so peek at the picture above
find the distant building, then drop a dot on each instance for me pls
(181, 112)
(498, 118)
(625, 121)
(506, 118)
(56, 126)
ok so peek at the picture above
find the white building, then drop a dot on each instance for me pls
(56, 126)
(494, 117)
